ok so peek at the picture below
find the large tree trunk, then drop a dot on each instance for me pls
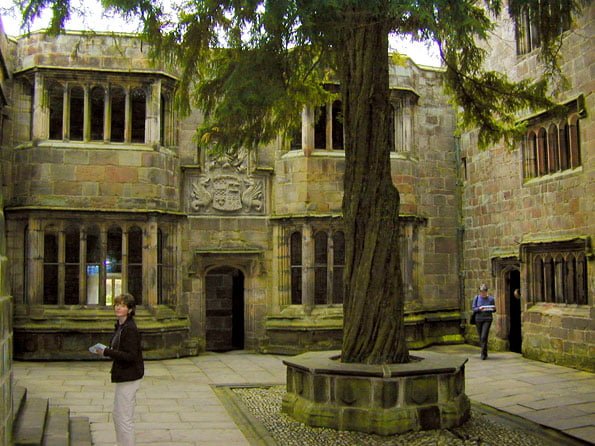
(373, 306)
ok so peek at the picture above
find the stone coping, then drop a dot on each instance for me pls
(327, 362)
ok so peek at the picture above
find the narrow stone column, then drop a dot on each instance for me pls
(83, 267)
(125, 260)
(102, 259)
(35, 263)
(150, 263)
(107, 116)
(86, 114)
(127, 117)
(61, 265)
(307, 268)
(40, 130)
(307, 130)
(154, 126)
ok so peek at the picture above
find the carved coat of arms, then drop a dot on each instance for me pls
(227, 193)
(227, 187)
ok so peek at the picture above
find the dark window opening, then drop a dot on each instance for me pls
(296, 268)
(558, 272)
(56, 103)
(320, 268)
(93, 257)
(337, 126)
(113, 265)
(138, 103)
(320, 128)
(72, 269)
(552, 150)
(50, 269)
(135, 264)
(77, 113)
(162, 117)
(338, 267)
(528, 23)
(97, 113)
(118, 119)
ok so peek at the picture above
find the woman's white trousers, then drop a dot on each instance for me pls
(124, 402)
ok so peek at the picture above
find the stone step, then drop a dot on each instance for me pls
(57, 427)
(37, 424)
(19, 394)
(30, 424)
(80, 431)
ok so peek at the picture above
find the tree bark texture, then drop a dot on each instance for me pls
(373, 306)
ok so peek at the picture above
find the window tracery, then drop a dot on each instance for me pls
(557, 272)
(552, 144)
(90, 264)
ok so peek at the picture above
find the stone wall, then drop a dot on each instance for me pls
(6, 336)
(6, 411)
(560, 335)
(88, 50)
(94, 178)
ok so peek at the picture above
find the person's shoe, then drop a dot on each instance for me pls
(484, 356)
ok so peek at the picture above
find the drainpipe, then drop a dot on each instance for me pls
(461, 228)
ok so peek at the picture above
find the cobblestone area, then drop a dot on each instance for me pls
(264, 404)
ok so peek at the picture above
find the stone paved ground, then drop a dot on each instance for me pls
(178, 403)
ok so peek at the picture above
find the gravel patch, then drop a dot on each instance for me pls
(264, 405)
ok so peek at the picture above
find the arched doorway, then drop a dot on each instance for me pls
(224, 288)
(513, 282)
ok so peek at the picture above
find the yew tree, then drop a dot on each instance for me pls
(251, 65)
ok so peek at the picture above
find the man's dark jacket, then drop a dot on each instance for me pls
(126, 352)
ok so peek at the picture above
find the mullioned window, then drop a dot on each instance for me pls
(552, 143)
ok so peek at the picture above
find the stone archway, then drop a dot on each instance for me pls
(513, 289)
(244, 270)
(508, 307)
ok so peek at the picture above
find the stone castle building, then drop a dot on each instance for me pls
(106, 191)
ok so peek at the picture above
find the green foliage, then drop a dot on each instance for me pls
(251, 65)
(551, 18)
(32, 9)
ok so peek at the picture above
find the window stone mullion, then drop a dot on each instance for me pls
(86, 113)
(127, 116)
(124, 265)
(41, 109)
(329, 126)
(102, 258)
(308, 122)
(330, 267)
(66, 113)
(83, 267)
(307, 268)
(61, 265)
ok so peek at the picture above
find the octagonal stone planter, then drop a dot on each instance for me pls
(426, 393)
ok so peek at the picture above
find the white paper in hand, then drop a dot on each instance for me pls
(96, 348)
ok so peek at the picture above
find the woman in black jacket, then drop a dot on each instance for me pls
(127, 368)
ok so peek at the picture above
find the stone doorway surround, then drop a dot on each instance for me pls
(507, 271)
(250, 263)
(225, 309)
